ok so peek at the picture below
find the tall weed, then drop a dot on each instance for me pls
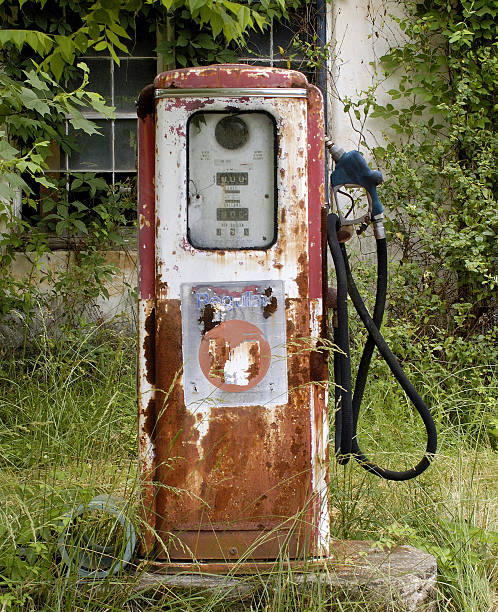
(69, 433)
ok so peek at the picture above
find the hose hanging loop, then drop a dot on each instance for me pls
(352, 170)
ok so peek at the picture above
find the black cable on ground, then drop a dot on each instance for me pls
(400, 376)
(342, 361)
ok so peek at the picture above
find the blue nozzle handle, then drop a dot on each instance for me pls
(352, 169)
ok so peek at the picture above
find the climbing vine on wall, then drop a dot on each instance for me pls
(441, 158)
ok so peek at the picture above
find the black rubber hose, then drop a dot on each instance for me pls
(338, 396)
(401, 377)
(342, 361)
(366, 357)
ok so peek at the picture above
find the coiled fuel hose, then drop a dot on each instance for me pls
(347, 407)
(83, 554)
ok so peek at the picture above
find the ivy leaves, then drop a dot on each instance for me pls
(29, 109)
(226, 17)
(100, 30)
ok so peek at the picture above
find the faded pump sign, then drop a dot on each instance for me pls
(234, 343)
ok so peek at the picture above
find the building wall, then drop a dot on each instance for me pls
(360, 32)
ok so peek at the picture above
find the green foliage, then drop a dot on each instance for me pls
(440, 162)
(98, 29)
(447, 511)
(41, 43)
(193, 44)
(88, 216)
(33, 112)
(214, 32)
(68, 433)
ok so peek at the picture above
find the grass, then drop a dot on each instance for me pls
(68, 433)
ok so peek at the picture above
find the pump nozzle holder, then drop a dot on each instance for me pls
(335, 152)
(352, 169)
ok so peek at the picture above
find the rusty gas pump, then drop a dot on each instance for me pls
(232, 385)
(233, 375)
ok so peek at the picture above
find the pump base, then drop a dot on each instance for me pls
(237, 568)
(402, 577)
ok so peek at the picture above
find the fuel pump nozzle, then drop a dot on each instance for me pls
(352, 170)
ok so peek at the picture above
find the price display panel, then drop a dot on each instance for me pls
(231, 180)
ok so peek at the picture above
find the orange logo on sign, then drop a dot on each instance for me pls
(234, 355)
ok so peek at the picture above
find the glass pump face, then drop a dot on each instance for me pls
(231, 178)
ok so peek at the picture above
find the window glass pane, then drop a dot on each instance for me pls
(99, 76)
(301, 21)
(125, 148)
(95, 152)
(143, 39)
(258, 45)
(129, 80)
(126, 185)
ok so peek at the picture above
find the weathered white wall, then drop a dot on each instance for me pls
(361, 32)
(120, 308)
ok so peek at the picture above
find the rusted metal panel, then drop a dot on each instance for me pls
(243, 567)
(233, 544)
(232, 473)
(146, 207)
(251, 468)
(146, 311)
(320, 431)
(146, 415)
(318, 320)
(316, 186)
(229, 75)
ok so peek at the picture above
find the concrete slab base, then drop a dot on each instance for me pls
(360, 574)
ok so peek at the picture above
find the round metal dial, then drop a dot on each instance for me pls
(231, 132)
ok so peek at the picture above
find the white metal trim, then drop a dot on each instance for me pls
(233, 92)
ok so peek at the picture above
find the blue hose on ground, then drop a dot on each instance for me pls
(89, 559)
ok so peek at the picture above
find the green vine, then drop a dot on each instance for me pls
(441, 158)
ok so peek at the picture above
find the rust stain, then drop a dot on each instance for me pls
(319, 364)
(206, 319)
(254, 361)
(176, 436)
(149, 346)
(271, 306)
(302, 277)
(150, 419)
(248, 469)
(219, 353)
